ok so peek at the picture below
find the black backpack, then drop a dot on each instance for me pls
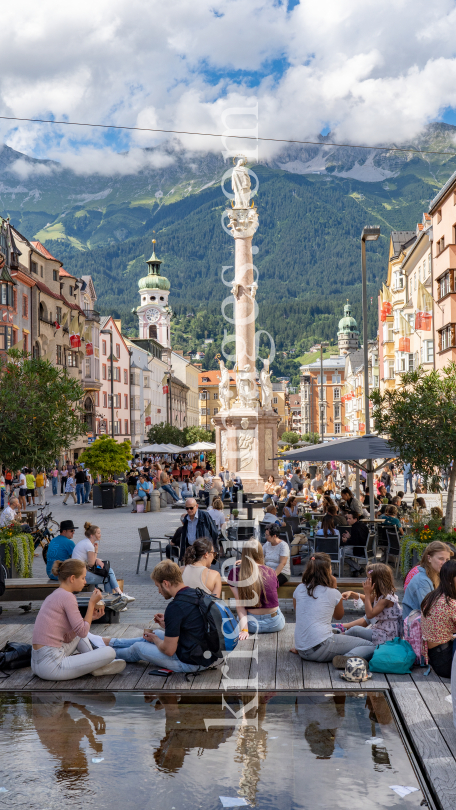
(221, 632)
(14, 656)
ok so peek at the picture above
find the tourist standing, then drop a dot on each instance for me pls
(80, 481)
(63, 478)
(40, 483)
(70, 487)
(30, 483)
(55, 480)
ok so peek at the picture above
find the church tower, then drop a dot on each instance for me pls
(153, 312)
(348, 334)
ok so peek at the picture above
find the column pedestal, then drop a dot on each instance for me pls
(246, 442)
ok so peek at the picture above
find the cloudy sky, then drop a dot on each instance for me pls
(368, 71)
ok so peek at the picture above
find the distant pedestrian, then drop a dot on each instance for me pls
(70, 487)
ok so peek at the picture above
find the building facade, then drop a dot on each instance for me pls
(208, 383)
(121, 382)
(443, 218)
(15, 293)
(323, 402)
(147, 399)
(294, 403)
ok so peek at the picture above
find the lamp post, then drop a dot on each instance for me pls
(370, 234)
(109, 332)
(322, 421)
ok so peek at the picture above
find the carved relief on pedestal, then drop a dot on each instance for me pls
(224, 447)
(246, 449)
(268, 463)
(243, 222)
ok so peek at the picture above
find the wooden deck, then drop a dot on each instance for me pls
(266, 664)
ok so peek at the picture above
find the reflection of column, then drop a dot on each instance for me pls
(251, 749)
(243, 224)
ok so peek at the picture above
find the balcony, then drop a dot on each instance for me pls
(92, 315)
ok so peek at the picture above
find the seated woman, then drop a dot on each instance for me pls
(60, 630)
(315, 602)
(259, 587)
(196, 571)
(391, 519)
(327, 527)
(283, 495)
(277, 554)
(291, 507)
(188, 488)
(381, 604)
(86, 550)
(217, 514)
(270, 516)
(438, 621)
(425, 577)
(269, 489)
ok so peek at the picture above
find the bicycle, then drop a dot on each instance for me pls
(44, 531)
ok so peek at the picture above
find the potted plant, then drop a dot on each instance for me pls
(107, 458)
(235, 513)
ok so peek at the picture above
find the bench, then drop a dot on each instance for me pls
(34, 589)
(287, 589)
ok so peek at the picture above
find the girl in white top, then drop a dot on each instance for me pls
(277, 554)
(217, 514)
(197, 572)
(87, 550)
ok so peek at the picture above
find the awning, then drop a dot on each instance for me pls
(347, 450)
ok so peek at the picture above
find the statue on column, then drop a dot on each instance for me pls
(245, 388)
(240, 183)
(266, 386)
(224, 386)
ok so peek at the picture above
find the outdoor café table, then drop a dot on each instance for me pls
(251, 505)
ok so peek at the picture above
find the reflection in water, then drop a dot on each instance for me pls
(302, 750)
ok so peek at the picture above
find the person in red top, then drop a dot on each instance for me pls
(254, 583)
(8, 481)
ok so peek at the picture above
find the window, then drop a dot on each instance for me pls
(6, 295)
(203, 411)
(427, 351)
(117, 400)
(336, 411)
(72, 359)
(215, 395)
(25, 339)
(15, 300)
(274, 400)
(146, 382)
(59, 356)
(117, 350)
(41, 271)
(6, 337)
(104, 371)
(55, 275)
(103, 347)
(125, 400)
(337, 427)
(153, 332)
(126, 376)
(414, 281)
(116, 428)
(204, 395)
(71, 289)
(87, 367)
(391, 369)
(439, 215)
(136, 403)
(126, 426)
(446, 283)
(117, 373)
(25, 306)
(34, 267)
(58, 314)
(429, 264)
(336, 379)
(105, 399)
(336, 393)
(97, 399)
(134, 378)
(97, 369)
(446, 337)
(215, 411)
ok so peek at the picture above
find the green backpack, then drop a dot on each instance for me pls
(393, 657)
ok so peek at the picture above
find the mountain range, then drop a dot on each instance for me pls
(313, 201)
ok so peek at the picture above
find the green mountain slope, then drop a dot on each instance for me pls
(313, 202)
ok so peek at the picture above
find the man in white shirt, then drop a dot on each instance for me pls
(22, 491)
(9, 513)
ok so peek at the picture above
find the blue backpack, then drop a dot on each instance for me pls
(221, 628)
(395, 657)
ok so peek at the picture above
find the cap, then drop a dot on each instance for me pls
(66, 525)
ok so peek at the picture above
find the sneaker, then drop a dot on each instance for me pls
(123, 610)
(116, 666)
(128, 598)
(180, 502)
(339, 661)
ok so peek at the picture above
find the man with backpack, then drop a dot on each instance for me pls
(189, 639)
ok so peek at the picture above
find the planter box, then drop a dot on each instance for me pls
(11, 570)
(112, 501)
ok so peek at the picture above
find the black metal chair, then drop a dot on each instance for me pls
(382, 541)
(370, 551)
(329, 545)
(394, 546)
(145, 546)
(263, 525)
(294, 523)
(280, 507)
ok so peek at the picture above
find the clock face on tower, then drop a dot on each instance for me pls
(153, 315)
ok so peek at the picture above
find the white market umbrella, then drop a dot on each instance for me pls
(199, 446)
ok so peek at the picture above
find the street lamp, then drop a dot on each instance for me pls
(322, 415)
(109, 332)
(370, 234)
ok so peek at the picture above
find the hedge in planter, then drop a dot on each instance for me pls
(14, 542)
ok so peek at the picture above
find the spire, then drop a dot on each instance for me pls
(154, 262)
(154, 279)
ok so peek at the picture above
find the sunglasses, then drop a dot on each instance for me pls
(189, 508)
(215, 555)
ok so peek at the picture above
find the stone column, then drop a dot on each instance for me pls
(245, 303)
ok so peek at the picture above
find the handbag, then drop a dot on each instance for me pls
(15, 656)
(101, 571)
(395, 657)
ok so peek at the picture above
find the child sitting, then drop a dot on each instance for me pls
(383, 619)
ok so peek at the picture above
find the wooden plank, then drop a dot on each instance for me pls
(20, 677)
(436, 758)
(8, 633)
(267, 655)
(210, 679)
(132, 672)
(316, 676)
(180, 682)
(377, 682)
(239, 665)
(433, 692)
(289, 673)
(150, 683)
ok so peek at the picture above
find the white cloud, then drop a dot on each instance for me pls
(371, 72)
(24, 169)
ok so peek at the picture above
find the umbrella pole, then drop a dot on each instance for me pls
(357, 483)
(370, 483)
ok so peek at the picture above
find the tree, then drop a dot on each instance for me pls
(198, 434)
(313, 438)
(419, 417)
(290, 437)
(40, 412)
(164, 433)
(106, 457)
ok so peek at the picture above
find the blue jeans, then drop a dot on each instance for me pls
(55, 485)
(265, 623)
(408, 480)
(110, 586)
(80, 493)
(136, 649)
(266, 497)
(168, 488)
(86, 491)
(230, 493)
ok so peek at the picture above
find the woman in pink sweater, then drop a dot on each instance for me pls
(60, 630)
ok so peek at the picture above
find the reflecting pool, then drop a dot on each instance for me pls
(202, 751)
